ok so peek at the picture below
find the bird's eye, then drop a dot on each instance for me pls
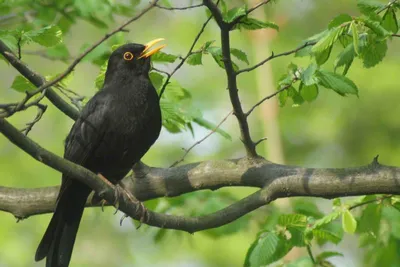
(128, 56)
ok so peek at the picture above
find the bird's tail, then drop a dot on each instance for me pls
(59, 238)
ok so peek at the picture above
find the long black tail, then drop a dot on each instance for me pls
(59, 238)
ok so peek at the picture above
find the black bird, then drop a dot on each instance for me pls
(115, 129)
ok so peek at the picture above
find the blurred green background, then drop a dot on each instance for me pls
(333, 131)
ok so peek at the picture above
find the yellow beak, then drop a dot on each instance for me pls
(147, 52)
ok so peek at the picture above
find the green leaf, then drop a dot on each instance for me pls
(339, 20)
(356, 38)
(99, 81)
(163, 57)
(234, 13)
(345, 58)
(216, 53)
(292, 220)
(322, 49)
(328, 254)
(59, 51)
(374, 53)
(283, 98)
(195, 59)
(340, 84)
(21, 84)
(268, 248)
(211, 126)
(376, 27)
(370, 219)
(300, 262)
(325, 220)
(308, 75)
(389, 21)
(48, 36)
(297, 238)
(349, 224)
(239, 54)
(156, 79)
(326, 235)
(308, 92)
(369, 6)
(306, 207)
(255, 24)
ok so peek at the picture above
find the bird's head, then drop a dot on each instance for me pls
(131, 59)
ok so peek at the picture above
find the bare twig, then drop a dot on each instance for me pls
(270, 96)
(186, 57)
(231, 79)
(396, 35)
(378, 199)
(201, 140)
(39, 115)
(179, 8)
(275, 56)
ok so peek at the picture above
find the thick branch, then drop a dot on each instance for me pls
(231, 79)
(38, 80)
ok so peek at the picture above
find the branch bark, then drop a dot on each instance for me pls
(274, 180)
(231, 79)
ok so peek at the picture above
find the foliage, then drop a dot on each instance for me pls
(374, 219)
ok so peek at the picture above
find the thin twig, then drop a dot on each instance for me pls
(179, 8)
(186, 57)
(268, 97)
(91, 48)
(396, 35)
(39, 115)
(378, 199)
(272, 56)
(235, 21)
(310, 254)
(201, 140)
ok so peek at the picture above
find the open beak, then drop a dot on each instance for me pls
(147, 52)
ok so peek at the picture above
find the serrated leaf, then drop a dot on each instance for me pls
(325, 220)
(268, 248)
(21, 84)
(376, 27)
(297, 236)
(211, 126)
(339, 20)
(99, 81)
(308, 92)
(322, 49)
(340, 84)
(239, 54)
(216, 53)
(255, 24)
(369, 6)
(48, 36)
(308, 75)
(163, 57)
(283, 98)
(374, 53)
(195, 59)
(349, 224)
(326, 235)
(234, 13)
(389, 21)
(292, 220)
(345, 58)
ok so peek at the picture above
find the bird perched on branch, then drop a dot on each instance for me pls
(115, 129)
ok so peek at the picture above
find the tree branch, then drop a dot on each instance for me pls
(38, 80)
(275, 181)
(231, 79)
(179, 8)
(275, 56)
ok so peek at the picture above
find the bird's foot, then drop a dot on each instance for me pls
(139, 205)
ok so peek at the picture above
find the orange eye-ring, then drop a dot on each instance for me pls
(128, 56)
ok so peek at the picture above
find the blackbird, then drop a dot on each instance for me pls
(114, 130)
